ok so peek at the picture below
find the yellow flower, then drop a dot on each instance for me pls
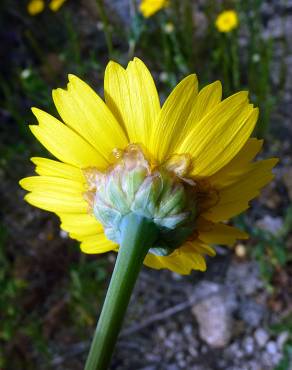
(35, 7)
(150, 7)
(55, 5)
(227, 21)
(195, 140)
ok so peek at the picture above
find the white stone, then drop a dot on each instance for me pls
(261, 337)
(272, 348)
(248, 345)
(214, 319)
(282, 339)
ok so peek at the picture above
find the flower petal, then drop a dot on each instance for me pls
(181, 261)
(234, 198)
(64, 143)
(221, 234)
(132, 97)
(149, 7)
(47, 183)
(220, 135)
(238, 166)
(49, 167)
(80, 224)
(57, 202)
(172, 118)
(97, 244)
(206, 101)
(83, 110)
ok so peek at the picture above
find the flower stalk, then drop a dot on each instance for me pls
(106, 27)
(137, 236)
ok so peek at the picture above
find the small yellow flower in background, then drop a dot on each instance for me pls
(150, 7)
(227, 21)
(186, 166)
(35, 7)
(55, 5)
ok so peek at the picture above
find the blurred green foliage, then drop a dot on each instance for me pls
(82, 295)
(186, 41)
(285, 326)
(86, 287)
(12, 320)
(268, 248)
(10, 288)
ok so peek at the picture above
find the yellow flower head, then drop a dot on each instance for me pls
(35, 7)
(187, 166)
(55, 5)
(150, 7)
(227, 21)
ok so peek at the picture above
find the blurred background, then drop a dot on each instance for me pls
(237, 315)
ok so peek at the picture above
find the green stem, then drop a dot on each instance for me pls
(233, 39)
(106, 28)
(137, 237)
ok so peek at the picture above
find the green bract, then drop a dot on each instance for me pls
(131, 186)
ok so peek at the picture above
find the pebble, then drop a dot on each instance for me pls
(193, 351)
(182, 364)
(214, 320)
(282, 339)
(272, 348)
(261, 337)
(64, 234)
(172, 367)
(188, 329)
(161, 332)
(252, 313)
(248, 345)
(234, 351)
(244, 277)
(271, 224)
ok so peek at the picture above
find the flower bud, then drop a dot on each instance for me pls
(158, 194)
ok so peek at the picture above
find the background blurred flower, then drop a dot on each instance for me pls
(227, 21)
(55, 5)
(35, 7)
(150, 7)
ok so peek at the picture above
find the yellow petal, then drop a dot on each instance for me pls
(97, 244)
(221, 234)
(220, 135)
(181, 261)
(80, 224)
(83, 235)
(204, 249)
(172, 118)
(64, 143)
(234, 198)
(78, 220)
(57, 202)
(206, 101)
(35, 7)
(149, 7)
(238, 166)
(46, 183)
(49, 167)
(83, 110)
(132, 97)
(55, 5)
